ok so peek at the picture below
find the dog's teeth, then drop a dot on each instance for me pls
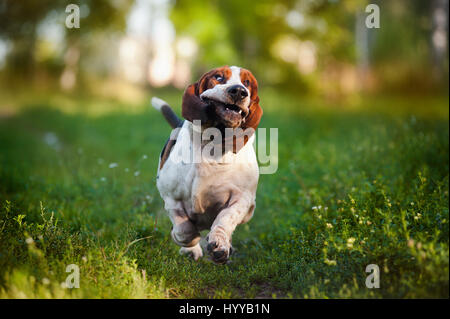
(240, 111)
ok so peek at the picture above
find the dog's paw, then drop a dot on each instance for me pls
(195, 252)
(219, 247)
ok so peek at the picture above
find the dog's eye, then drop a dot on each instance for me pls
(246, 83)
(218, 77)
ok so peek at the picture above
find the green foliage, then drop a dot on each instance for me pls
(271, 38)
(19, 22)
(244, 32)
(355, 186)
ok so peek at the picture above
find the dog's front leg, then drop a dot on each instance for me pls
(219, 238)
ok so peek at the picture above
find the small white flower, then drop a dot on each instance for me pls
(29, 240)
(112, 165)
(137, 173)
(45, 281)
(84, 259)
(144, 156)
(148, 197)
(51, 139)
(329, 225)
(103, 179)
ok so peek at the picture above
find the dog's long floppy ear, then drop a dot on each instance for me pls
(193, 108)
(255, 111)
(254, 117)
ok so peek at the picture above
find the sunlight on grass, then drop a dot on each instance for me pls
(358, 183)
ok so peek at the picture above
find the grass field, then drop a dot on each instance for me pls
(361, 182)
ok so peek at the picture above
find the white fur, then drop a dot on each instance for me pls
(190, 189)
(158, 103)
(195, 251)
(235, 76)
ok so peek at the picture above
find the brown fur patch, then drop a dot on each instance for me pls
(168, 148)
(166, 152)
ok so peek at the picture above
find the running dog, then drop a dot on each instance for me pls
(218, 192)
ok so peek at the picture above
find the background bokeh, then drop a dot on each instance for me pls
(125, 48)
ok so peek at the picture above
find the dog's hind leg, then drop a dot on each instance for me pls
(184, 233)
(195, 252)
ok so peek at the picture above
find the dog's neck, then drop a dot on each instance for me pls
(219, 142)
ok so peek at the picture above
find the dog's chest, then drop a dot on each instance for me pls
(215, 185)
(208, 186)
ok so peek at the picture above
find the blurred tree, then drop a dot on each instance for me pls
(439, 37)
(245, 32)
(19, 22)
(299, 45)
(403, 51)
(249, 33)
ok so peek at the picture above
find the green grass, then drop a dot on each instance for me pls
(376, 171)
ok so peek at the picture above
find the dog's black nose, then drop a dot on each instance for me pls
(237, 92)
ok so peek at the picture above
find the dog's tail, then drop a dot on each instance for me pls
(167, 112)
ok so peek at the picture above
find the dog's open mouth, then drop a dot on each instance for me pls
(231, 110)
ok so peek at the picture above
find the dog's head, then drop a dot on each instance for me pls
(225, 96)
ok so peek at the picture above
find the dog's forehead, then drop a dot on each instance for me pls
(232, 74)
(235, 77)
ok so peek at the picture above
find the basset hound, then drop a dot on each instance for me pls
(218, 191)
